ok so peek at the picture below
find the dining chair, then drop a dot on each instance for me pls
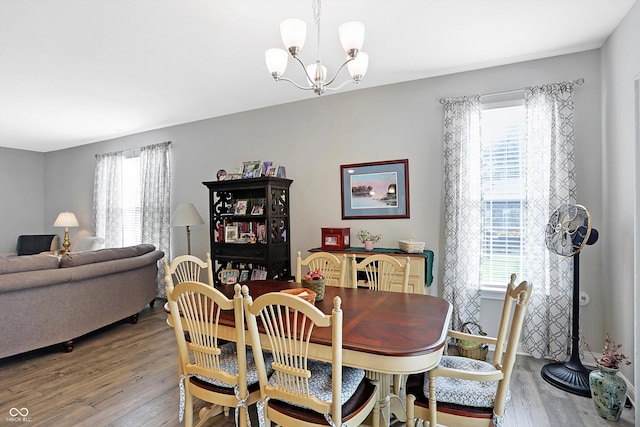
(187, 268)
(469, 392)
(382, 273)
(334, 268)
(216, 371)
(303, 391)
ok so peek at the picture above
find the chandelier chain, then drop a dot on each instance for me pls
(316, 19)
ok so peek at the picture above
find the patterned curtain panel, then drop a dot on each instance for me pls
(551, 181)
(463, 208)
(156, 203)
(107, 199)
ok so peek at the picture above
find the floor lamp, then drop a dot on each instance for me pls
(66, 220)
(186, 215)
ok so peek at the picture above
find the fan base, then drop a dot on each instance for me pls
(568, 377)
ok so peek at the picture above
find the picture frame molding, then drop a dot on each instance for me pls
(400, 167)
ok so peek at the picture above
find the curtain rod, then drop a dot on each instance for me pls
(577, 81)
(132, 151)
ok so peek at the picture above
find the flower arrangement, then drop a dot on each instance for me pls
(611, 355)
(314, 275)
(365, 235)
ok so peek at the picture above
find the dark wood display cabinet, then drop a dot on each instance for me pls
(249, 226)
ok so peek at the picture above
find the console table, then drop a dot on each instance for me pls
(420, 272)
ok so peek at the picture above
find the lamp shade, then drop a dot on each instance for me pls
(186, 214)
(276, 60)
(358, 67)
(351, 35)
(293, 32)
(66, 219)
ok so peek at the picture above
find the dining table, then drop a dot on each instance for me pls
(385, 333)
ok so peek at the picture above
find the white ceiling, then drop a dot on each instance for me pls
(74, 72)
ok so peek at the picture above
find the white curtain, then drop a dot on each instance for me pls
(107, 199)
(551, 181)
(155, 169)
(463, 208)
(155, 185)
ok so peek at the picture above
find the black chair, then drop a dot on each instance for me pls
(30, 244)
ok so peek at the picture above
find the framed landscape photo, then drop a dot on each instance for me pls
(375, 190)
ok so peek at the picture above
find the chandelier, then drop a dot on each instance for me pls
(294, 34)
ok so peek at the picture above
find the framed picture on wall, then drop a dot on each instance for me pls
(375, 190)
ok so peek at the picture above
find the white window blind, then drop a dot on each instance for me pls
(503, 194)
(131, 201)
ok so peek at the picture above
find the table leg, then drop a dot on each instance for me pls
(389, 402)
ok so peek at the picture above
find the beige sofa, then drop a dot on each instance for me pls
(46, 300)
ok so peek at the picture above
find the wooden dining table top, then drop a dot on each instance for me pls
(390, 331)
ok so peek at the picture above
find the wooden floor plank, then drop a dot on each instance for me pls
(125, 375)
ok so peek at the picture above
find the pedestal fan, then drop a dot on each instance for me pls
(568, 231)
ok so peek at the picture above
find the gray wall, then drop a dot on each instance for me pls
(313, 138)
(22, 212)
(620, 67)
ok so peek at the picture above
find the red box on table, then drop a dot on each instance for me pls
(336, 238)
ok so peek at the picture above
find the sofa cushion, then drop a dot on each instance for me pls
(74, 259)
(27, 263)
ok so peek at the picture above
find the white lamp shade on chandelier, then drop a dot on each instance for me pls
(351, 35)
(294, 33)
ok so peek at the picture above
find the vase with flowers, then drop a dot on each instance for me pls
(608, 389)
(368, 238)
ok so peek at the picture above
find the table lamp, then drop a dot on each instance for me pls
(186, 215)
(66, 220)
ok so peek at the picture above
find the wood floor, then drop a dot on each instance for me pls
(126, 375)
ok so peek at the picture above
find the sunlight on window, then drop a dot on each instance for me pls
(503, 194)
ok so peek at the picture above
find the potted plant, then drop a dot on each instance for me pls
(608, 389)
(368, 238)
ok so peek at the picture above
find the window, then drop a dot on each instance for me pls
(503, 193)
(131, 200)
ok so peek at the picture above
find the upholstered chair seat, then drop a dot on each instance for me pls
(458, 395)
(465, 392)
(470, 392)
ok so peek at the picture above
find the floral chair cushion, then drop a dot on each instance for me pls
(229, 363)
(479, 394)
(320, 381)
